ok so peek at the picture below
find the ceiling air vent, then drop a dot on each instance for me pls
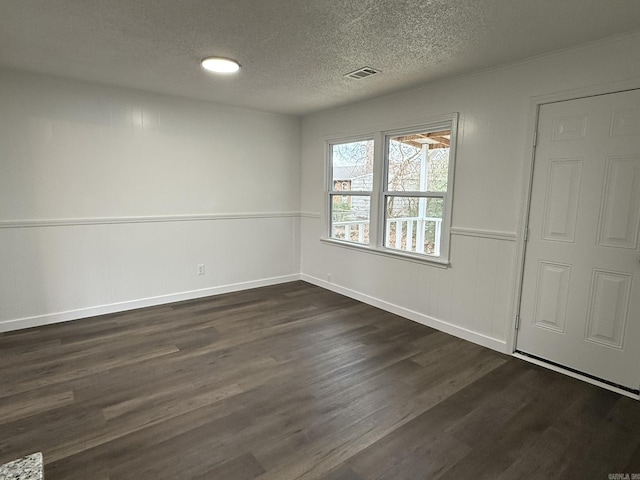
(361, 73)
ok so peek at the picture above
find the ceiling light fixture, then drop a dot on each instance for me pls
(220, 65)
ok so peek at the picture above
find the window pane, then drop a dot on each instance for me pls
(352, 166)
(414, 224)
(419, 162)
(350, 217)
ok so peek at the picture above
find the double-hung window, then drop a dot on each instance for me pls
(351, 185)
(402, 206)
(415, 188)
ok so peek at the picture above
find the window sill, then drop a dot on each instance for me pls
(386, 252)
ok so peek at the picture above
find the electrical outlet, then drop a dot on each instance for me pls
(329, 277)
(201, 269)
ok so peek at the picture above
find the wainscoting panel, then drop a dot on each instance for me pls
(471, 299)
(54, 273)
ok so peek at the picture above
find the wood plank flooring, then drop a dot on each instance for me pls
(296, 382)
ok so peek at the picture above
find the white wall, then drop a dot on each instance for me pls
(475, 297)
(109, 198)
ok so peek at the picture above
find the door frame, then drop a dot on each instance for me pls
(529, 155)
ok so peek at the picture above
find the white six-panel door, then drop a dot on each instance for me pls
(580, 303)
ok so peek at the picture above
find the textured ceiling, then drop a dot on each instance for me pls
(293, 52)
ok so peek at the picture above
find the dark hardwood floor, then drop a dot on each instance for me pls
(296, 382)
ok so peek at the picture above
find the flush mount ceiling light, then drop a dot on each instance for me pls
(220, 65)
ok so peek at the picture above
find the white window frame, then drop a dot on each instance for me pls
(353, 193)
(380, 192)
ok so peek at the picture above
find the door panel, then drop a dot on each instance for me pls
(608, 309)
(620, 204)
(580, 303)
(552, 295)
(561, 209)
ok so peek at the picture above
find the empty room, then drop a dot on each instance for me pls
(296, 240)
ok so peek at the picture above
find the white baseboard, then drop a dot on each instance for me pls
(50, 318)
(465, 334)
